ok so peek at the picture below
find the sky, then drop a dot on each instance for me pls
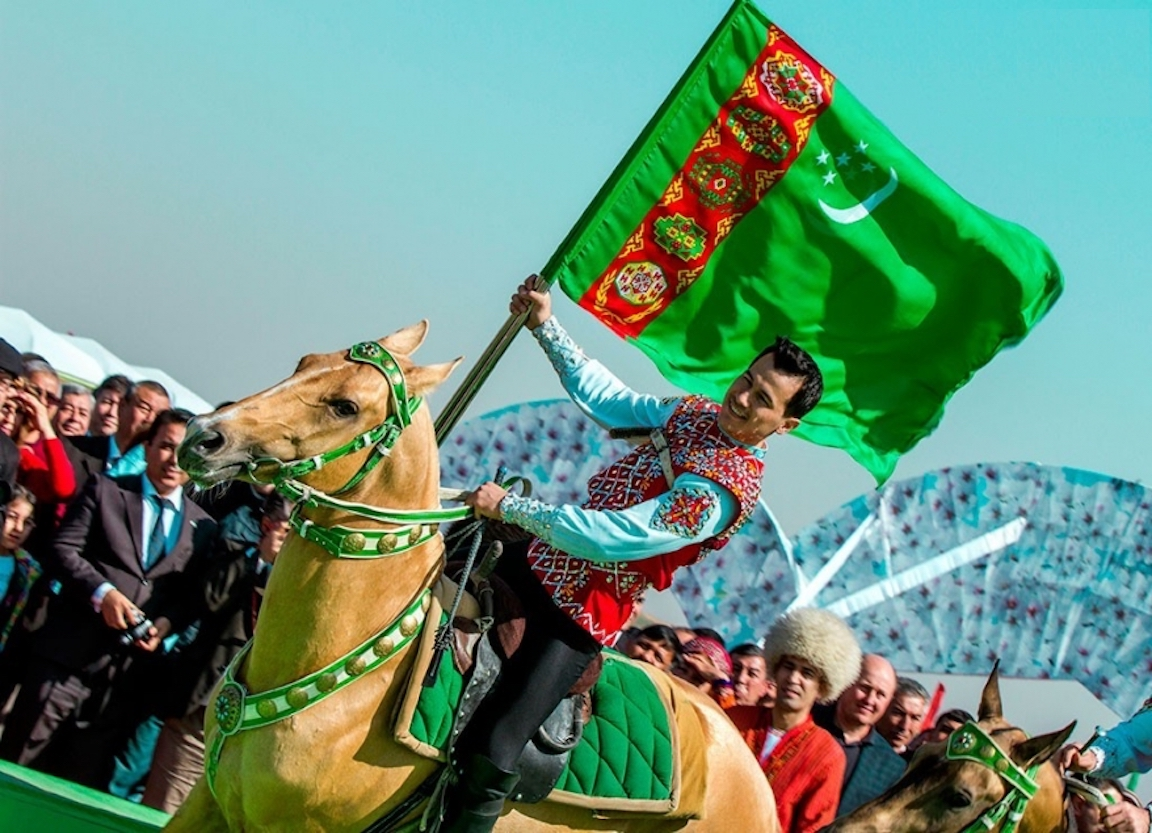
(218, 188)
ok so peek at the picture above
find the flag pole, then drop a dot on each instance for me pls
(462, 397)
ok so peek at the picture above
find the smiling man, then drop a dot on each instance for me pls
(675, 498)
(872, 765)
(811, 656)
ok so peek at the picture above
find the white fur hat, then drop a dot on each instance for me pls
(818, 637)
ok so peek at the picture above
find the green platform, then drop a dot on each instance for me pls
(38, 803)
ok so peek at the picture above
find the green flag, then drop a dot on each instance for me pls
(763, 199)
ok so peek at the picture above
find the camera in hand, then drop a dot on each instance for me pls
(138, 631)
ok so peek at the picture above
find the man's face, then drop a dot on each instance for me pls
(753, 407)
(74, 414)
(652, 652)
(107, 414)
(17, 525)
(864, 702)
(138, 411)
(749, 679)
(798, 684)
(160, 459)
(903, 720)
(46, 388)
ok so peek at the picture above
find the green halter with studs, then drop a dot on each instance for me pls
(971, 743)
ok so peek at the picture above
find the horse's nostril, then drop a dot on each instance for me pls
(209, 441)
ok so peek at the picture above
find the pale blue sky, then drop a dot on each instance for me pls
(217, 188)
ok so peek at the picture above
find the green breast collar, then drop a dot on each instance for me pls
(237, 710)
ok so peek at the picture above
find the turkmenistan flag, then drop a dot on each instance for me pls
(764, 199)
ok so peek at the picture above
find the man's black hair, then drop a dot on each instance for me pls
(955, 716)
(148, 384)
(171, 416)
(663, 634)
(116, 382)
(748, 649)
(793, 360)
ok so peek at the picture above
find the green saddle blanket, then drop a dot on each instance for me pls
(627, 759)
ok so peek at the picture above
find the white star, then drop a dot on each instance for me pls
(861, 146)
(823, 157)
(867, 167)
(843, 159)
(829, 177)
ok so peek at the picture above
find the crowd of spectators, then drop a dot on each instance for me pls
(124, 594)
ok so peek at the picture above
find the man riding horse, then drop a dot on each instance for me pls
(662, 507)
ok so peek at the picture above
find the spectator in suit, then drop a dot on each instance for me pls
(106, 413)
(129, 549)
(904, 718)
(872, 767)
(75, 411)
(122, 452)
(236, 578)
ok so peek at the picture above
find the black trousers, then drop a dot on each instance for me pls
(554, 653)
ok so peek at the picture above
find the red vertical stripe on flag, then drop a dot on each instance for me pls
(756, 136)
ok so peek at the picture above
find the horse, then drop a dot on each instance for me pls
(986, 776)
(347, 437)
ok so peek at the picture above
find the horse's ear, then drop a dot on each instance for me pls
(407, 340)
(990, 706)
(1039, 749)
(423, 379)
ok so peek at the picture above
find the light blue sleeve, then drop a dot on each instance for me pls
(594, 388)
(1127, 748)
(694, 510)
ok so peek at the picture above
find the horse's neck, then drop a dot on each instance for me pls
(318, 607)
(1045, 812)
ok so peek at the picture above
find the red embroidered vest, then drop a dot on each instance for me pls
(600, 596)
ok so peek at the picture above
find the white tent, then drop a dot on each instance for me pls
(85, 361)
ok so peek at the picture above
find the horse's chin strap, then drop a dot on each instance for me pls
(971, 743)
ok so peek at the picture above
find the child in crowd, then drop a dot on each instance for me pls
(18, 570)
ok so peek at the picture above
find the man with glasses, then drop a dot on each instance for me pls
(122, 453)
(11, 369)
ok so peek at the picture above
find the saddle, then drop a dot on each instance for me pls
(626, 743)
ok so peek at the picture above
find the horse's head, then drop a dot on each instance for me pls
(944, 792)
(331, 400)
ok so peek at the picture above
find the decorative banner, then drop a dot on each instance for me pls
(763, 199)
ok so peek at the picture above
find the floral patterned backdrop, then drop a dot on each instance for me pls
(1046, 567)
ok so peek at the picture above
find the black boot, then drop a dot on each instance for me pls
(477, 800)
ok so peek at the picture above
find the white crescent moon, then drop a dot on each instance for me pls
(844, 216)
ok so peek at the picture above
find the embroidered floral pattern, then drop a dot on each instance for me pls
(684, 511)
(532, 515)
(565, 355)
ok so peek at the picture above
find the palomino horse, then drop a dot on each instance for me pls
(300, 737)
(987, 776)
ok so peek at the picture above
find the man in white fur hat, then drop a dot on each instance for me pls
(812, 657)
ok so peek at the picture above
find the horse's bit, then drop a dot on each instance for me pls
(971, 743)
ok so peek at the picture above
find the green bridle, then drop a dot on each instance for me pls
(419, 525)
(235, 708)
(971, 743)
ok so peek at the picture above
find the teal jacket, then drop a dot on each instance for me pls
(16, 597)
(1127, 747)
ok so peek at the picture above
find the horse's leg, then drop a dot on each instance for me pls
(199, 813)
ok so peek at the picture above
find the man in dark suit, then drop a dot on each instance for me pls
(120, 453)
(872, 765)
(235, 583)
(128, 549)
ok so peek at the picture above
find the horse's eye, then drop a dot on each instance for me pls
(957, 798)
(344, 407)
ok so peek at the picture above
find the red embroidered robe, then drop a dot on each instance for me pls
(806, 769)
(600, 596)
